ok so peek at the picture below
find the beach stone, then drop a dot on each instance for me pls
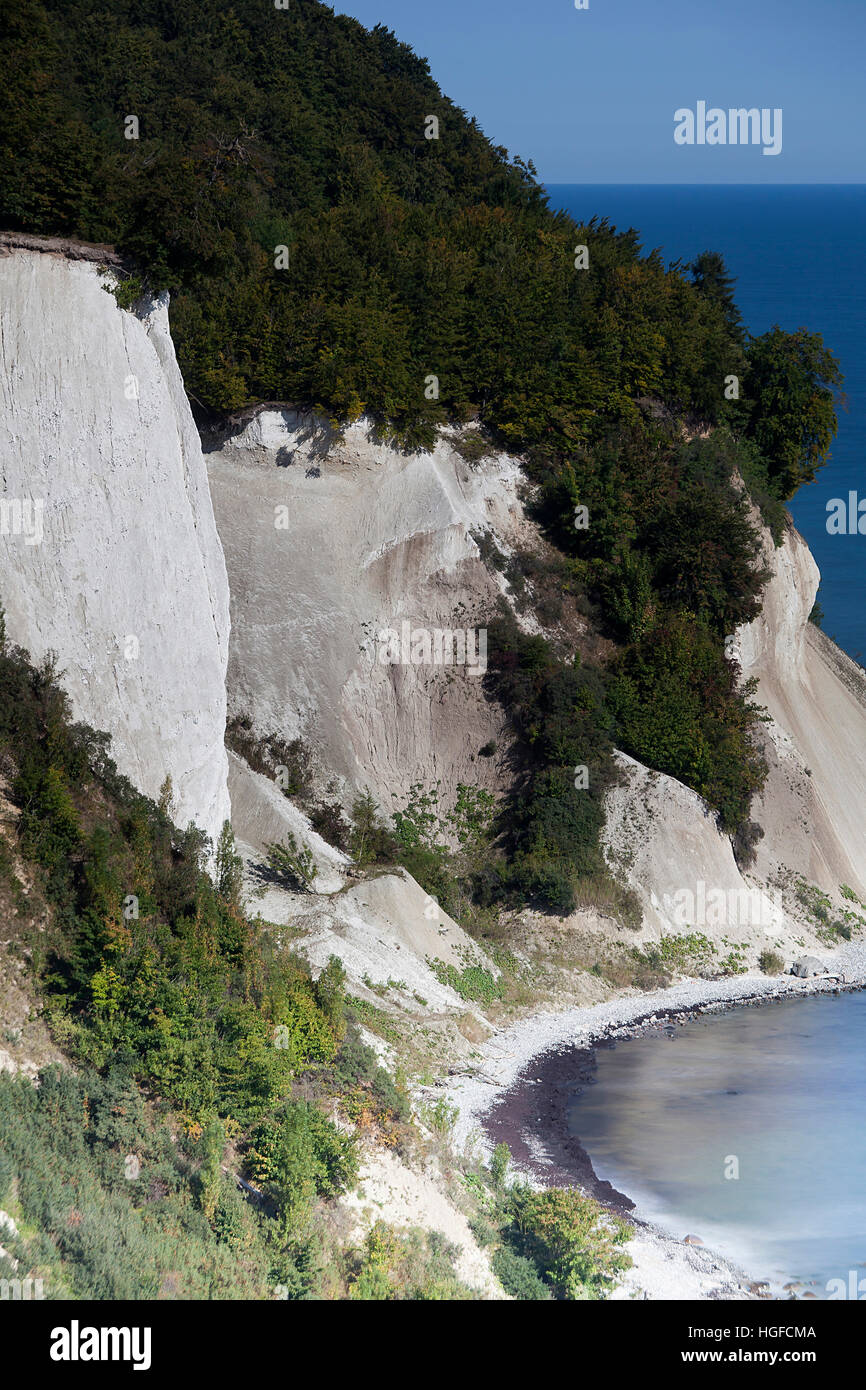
(693, 1240)
(806, 966)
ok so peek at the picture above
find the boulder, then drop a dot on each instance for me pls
(806, 966)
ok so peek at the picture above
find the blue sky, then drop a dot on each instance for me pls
(590, 95)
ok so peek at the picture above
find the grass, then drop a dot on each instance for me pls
(473, 982)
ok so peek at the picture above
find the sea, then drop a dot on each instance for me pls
(747, 1130)
(798, 255)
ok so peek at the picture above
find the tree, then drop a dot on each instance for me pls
(791, 404)
(711, 279)
(229, 868)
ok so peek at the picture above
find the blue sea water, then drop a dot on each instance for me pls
(745, 1129)
(798, 253)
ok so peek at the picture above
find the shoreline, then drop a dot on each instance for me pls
(556, 1052)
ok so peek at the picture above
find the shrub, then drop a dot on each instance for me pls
(293, 863)
(110, 1229)
(472, 982)
(370, 842)
(570, 1238)
(519, 1276)
(771, 963)
(679, 708)
(299, 1154)
(499, 1166)
(745, 843)
(357, 1068)
(328, 821)
(413, 1264)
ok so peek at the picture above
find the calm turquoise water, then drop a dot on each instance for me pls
(781, 1089)
(798, 255)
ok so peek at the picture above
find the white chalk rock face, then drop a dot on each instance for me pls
(811, 807)
(262, 816)
(331, 543)
(663, 840)
(110, 554)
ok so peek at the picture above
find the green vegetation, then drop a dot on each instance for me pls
(792, 415)
(771, 963)
(296, 1155)
(689, 954)
(552, 819)
(201, 1043)
(679, 708)
(472, 982)
(828, 923)
(656, 534)
(91, 1170)
(569, 1238)
(322, 250)
(554, 1243)
(396, 1265)
(293, 863)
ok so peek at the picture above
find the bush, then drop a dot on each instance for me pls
(771, 963)
(357, 1068)
(328, 821)
(550, 826)
(115, 1198)
(570, 1238)
(679, 708)
(298, 1155)
(519, 1276)
(745, 843)
(413, 1264)
(370, 842)
(293, 863)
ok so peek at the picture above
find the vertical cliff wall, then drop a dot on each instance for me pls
(812, 804)
(109, 555)
(329, 542)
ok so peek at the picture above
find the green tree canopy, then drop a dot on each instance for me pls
(791, 403)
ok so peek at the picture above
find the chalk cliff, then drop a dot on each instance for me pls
(811, 806)
(330, 542)
(127, 582)
(370, 537)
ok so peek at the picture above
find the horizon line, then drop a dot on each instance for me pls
(669, 183)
